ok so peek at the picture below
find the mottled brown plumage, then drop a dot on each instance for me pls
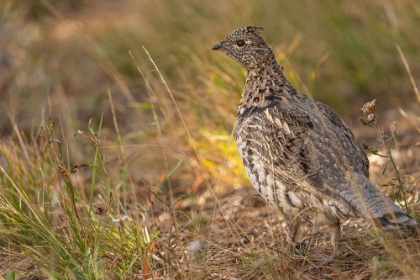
(299, 155)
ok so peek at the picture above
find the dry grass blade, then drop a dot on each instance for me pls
(407, 68)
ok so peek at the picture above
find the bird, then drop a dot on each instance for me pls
(298, 153)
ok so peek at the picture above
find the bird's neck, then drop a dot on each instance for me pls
(266, 76)
(270, 68)
(263, 86)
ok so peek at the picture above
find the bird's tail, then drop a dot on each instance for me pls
(381, 209)
(395, 220)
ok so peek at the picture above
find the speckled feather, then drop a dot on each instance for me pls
(299, 155)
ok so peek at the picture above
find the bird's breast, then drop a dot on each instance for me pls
(266, 181)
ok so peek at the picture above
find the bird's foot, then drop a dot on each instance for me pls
(297, 248)
(326, 259)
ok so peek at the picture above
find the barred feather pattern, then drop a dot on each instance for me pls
(299, 154)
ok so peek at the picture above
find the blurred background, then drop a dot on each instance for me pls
(81, 61)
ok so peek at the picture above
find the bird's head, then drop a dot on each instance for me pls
(247, 46)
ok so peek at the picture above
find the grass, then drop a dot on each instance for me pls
(154, 187)
(48, 222)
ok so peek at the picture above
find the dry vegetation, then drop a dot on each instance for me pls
(117, 159)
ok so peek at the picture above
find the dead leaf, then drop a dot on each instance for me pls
(146, 271)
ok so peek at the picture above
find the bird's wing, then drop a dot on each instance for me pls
(280, 136)
(335, 120)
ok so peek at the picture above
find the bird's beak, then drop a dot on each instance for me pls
(217, 46)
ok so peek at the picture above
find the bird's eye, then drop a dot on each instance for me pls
(240, 43)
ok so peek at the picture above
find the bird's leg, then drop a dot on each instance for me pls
(295, 232)
(294, 236)
(335, 240)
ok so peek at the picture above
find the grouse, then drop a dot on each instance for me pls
(299, 154)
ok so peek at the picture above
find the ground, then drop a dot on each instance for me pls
(235, 235)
